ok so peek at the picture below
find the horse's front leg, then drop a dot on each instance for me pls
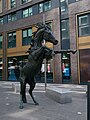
(32, 86)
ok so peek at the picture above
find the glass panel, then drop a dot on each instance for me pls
(49, 72)
(83, 20)
(24, 33)
(84, 30)
(64, 6)
(30, 11)
(13, 3)
(66, 71)
(14, 64)
(14, 17)
(1, 20)
(29, 32)
(65, 29)
(9, 18)
(24, 41)
(84, 27)
(47, 5)
(9, 34)
(1, 39)
(12, 40)
(27, 36)
(25, 13)
(24, 1)
(40, 7)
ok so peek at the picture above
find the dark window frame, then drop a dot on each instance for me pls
(43, 9)
(11, 16)
(25, 1)
(11, 39)
(1, 20)
(28, 14)
(26, 40)
(1, 41)
(66, 6)
(13, 3)
(82, 26)
(66, 30)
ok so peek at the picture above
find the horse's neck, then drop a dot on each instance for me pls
(39, 40)
(36, 54)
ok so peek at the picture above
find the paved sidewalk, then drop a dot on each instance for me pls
(47, 108)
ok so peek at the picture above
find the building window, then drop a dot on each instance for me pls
(12, 17)
(27, 12)
(0, 6)
(12, 40)
(40, 7)
(84, 25)
(25, 1)
(14, 64)
(13, 3)
(44, 6)
(1, 20)
(26, 36)
(47, 5)
(77, 0)
(1, 39)
(64, 5)
(65, 29)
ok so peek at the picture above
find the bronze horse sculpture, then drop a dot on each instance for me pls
(37, 53)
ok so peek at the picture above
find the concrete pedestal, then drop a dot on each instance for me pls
(60, 95)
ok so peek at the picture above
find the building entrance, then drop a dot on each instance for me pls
(66, 71)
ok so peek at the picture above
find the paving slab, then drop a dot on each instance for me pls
(47, 109)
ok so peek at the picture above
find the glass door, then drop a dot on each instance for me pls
(66, 71)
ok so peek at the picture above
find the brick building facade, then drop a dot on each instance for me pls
(17, 17)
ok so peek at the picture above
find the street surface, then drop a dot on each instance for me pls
(47, 109)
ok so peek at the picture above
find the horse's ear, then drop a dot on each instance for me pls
(35, 26)
(39, 25)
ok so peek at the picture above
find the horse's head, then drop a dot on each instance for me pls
(44, 32)
(48, 36)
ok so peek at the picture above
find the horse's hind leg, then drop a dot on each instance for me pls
(23, 91)
(32, 86)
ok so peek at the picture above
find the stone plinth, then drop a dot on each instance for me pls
(60, 95)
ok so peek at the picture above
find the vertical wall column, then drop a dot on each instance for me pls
(57, 59)
(73, 46)
(4, 57)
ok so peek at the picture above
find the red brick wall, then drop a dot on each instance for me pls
(74, 9)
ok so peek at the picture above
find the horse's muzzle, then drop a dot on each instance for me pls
(56, 42)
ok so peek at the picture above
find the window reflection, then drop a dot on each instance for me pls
(1, 63)
(14, 64)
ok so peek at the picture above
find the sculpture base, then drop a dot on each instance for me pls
(60, 95)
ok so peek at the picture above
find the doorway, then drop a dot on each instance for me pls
(66, 68)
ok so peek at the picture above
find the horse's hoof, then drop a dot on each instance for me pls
(24, 100)
(36, 103)
(21, 107)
